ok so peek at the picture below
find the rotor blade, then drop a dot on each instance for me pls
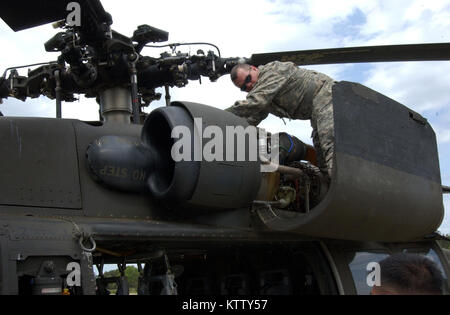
(445, 189)
(415, 52)
(24, 14)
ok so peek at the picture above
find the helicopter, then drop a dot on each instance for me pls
(80, 194)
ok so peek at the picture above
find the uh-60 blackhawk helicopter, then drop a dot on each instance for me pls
(77, 195)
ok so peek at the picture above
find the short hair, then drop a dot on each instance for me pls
(408, 273)
(242, 66)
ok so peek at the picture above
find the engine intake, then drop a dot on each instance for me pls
(184, 174)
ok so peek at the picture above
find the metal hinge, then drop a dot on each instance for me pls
(418, 118)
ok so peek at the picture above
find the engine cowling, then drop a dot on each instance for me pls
(386, 183)
(194, 180)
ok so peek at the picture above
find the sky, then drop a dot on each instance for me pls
(242, 28)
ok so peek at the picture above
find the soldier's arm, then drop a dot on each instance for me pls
(257, 105)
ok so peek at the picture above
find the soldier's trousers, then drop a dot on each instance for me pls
(322, 122)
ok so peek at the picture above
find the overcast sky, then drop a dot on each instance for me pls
(241, 28)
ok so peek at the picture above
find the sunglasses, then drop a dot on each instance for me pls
(248, 79)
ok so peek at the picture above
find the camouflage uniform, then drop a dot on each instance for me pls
(287, 91)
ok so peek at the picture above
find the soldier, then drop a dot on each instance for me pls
(409, 274)
(286, 91)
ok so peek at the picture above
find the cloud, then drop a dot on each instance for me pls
(25, 47)
(443, 135)
(40, 107)
(405, 21)
(421, 85)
